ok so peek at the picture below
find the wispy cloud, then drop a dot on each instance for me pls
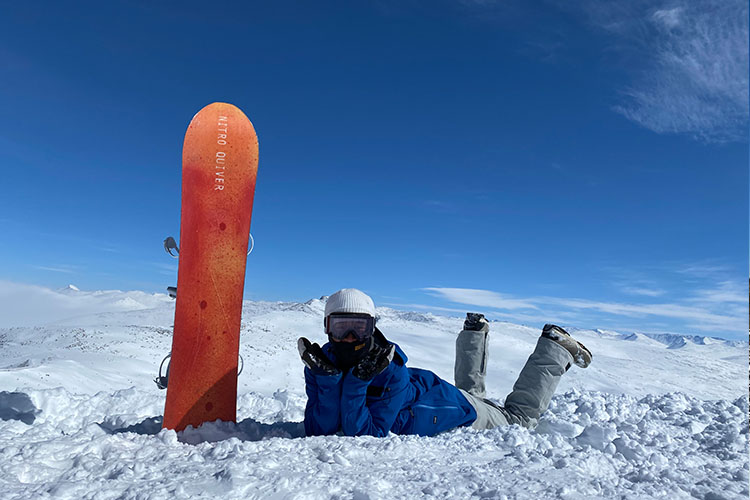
(695, 74)
(726, 292)
(423, 307)
(108, 249)
(687, 60)
(715, 304)
(648, 292)
(633, 281)
(166, 269)
(460, 311)
(22, 304)
(704, 269)
(696, 316)
(57, 269)
(485, 298)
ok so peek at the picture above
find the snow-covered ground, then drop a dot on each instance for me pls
(663, 417)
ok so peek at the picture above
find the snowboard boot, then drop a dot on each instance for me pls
(476, 322)
(581, 355)
(470, 367)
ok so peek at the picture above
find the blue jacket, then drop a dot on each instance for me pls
(400, 399)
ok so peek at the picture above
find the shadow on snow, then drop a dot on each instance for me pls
(246, 430)
(17, 406)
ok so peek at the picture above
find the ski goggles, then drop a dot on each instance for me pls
(340, 326)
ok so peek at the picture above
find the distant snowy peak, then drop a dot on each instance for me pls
(676, 341)
(609, 333)
(641, 338)
(317, 304)
(312, 306)
(394, 314)
(129, 304)
(670, 340)
(69, 289)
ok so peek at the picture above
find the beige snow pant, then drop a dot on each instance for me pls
(531, 393)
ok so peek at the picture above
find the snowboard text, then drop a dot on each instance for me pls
(221, 156)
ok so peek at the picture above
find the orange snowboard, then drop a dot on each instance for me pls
(219, 166)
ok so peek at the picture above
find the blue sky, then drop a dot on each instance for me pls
(585, 165)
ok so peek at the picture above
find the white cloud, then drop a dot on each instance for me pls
(32, 305)
(694, 77)
(412, 306)
(648, 292)
(704, 270)
(166, 269)
(59, 269)
(484, 298)
(695, 316)
(669, 17)
(516, 317)
(718, 309)
(726, 292)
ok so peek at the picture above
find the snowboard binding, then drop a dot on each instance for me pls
(162, 381)
(170, 245)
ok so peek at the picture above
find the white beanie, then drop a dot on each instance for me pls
(350, 300)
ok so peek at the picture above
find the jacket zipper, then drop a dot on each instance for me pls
(484, 355)
(433, 407)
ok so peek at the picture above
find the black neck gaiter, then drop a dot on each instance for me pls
(348, 354)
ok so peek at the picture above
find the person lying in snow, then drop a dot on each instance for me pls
(358, 384)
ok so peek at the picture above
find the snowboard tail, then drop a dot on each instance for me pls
(219, 168)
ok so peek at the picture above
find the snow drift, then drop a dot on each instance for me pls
(80, 415)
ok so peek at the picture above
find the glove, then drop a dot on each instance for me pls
(315, 359)
(374, 362)
(476, 322)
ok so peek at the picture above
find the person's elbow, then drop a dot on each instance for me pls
(353, 428)
(315, 429)
(372, 431)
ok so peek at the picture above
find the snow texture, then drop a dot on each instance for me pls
(80, 416)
